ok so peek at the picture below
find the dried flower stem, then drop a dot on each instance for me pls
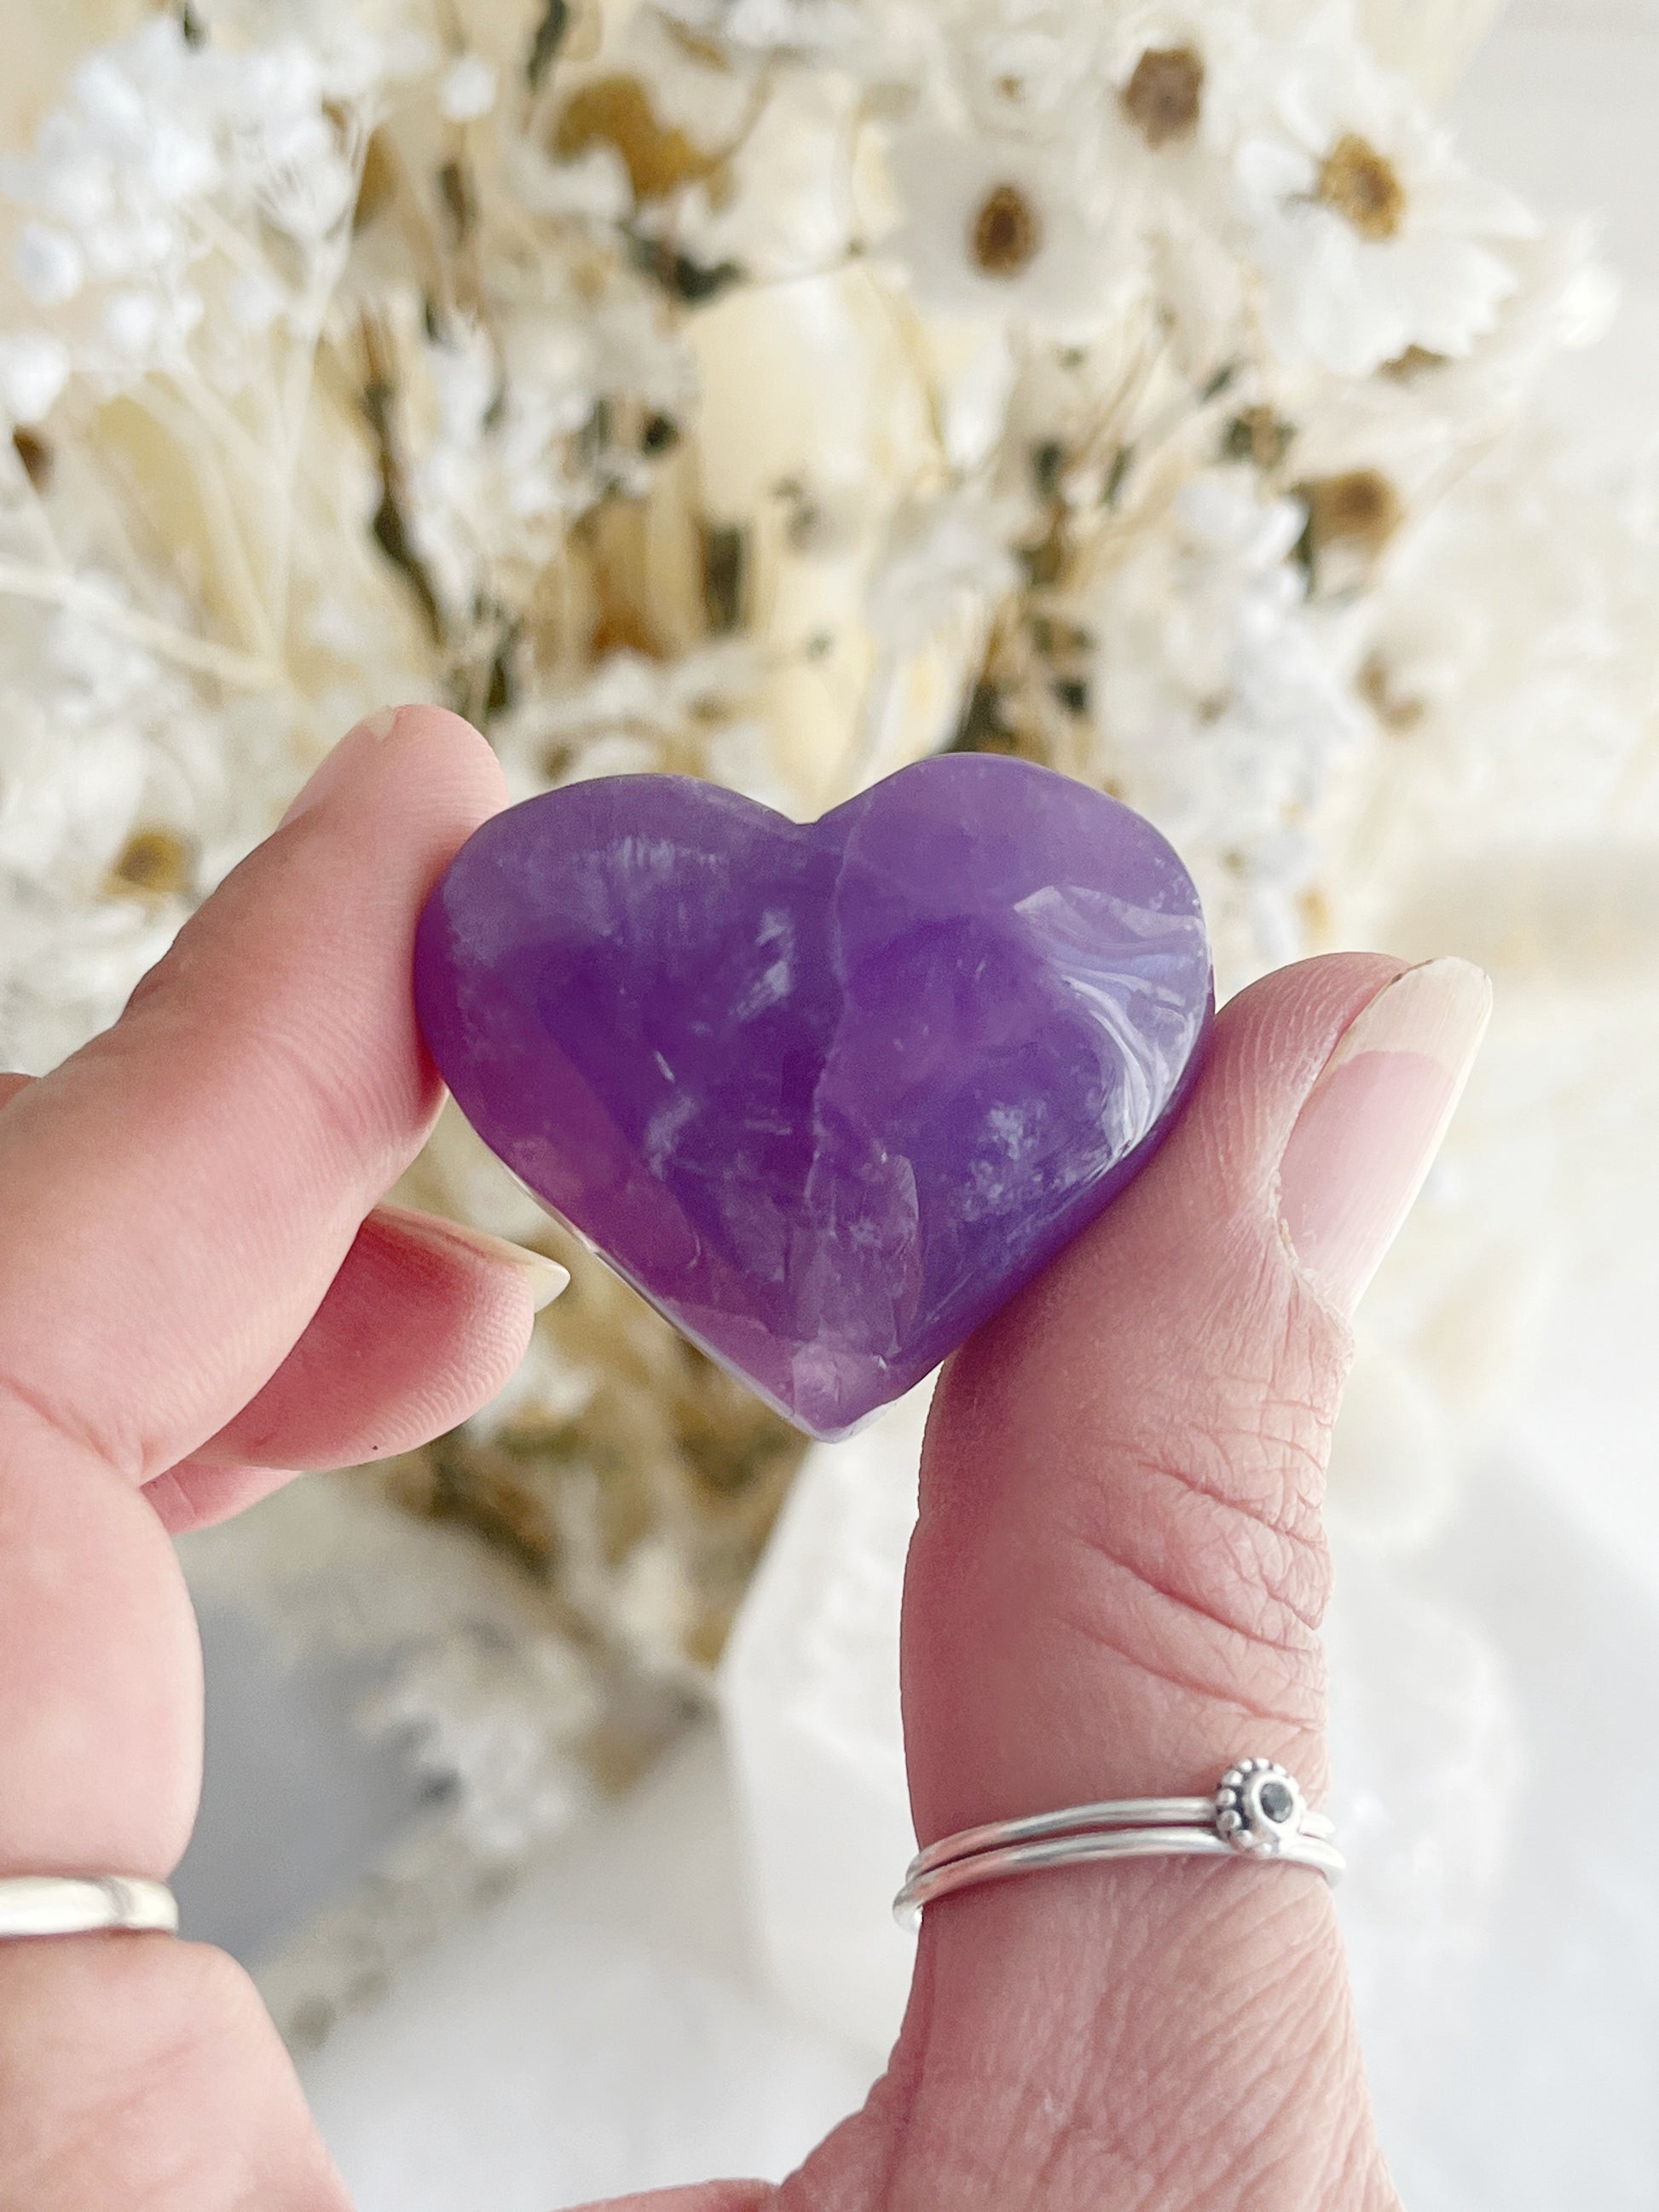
(239, 672)
(206, 464)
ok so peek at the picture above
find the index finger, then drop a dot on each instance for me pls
(176, 1199)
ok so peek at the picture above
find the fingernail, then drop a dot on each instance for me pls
(546, 1277)
(367, 737)
(1370, 1126)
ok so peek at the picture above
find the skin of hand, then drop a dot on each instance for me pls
(1113, 1589)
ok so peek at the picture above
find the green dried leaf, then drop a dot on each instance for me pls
(983, 728)
(724, 576)
(1048, 466)
(36, 456)
(455, 191)
(693, 282)
(1117, 475)
(545, 44)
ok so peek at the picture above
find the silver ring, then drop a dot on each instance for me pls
(57, 1904)
(1257, 1811)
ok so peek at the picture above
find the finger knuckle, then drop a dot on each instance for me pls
(1206, 1533)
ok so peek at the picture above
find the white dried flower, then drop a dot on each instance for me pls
(155, 181)
(634, 715)
(33, 370)
(593, 187)
(51, 266)
(1224, 705)
(469, 88)
(997, 227)
(1371, 235)
(941, 555)
(836, 30)
(1026, 69)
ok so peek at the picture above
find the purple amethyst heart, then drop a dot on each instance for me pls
(826, 1093)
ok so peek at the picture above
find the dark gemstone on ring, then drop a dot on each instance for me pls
(1276, 1801)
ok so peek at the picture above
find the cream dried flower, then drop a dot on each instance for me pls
(1370, 234)
(999, 229)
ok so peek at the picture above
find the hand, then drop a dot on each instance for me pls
(1113, 1589)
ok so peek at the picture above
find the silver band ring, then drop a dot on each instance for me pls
(59, 1904)
(1257, 1811)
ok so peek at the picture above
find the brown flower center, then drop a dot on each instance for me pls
(1359, 509)
(1006, 234)
(36, 455)
(1259, 435)
(1396, 712)
(1416, 361)
(617, 111)
(379, 184)
(1162, 99)
(156, 862)
(1362, 186)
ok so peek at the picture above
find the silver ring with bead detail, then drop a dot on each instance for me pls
(1260, 1808)
(1257, 1811)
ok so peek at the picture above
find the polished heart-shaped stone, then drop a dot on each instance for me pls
(826, 1093)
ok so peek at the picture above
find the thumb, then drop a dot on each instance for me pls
(1113, 1591)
